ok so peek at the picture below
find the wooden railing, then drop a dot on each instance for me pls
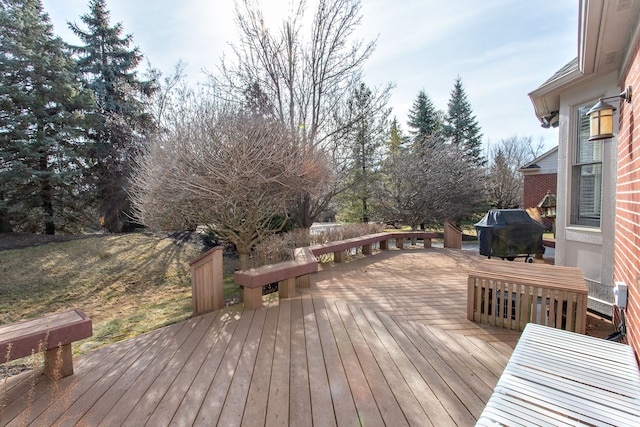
(510, 295)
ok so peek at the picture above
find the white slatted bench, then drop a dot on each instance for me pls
(556, 377)
(52, 334)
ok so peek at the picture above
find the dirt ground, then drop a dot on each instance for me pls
(599, 326)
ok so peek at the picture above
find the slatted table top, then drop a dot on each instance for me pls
(558, 377)
(549, 276)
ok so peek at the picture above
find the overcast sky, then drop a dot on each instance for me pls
(502, 49)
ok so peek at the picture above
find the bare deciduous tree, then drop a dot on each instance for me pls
(233, 170)
(429, 186)
(504, 182)
(304, 82)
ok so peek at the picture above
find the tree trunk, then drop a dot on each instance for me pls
(47, 204)
(244, 260)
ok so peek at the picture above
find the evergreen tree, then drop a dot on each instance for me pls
(41, 150)
(369, 119)
(461, 127)
(424, 120)
(395, 139)
(108, 67)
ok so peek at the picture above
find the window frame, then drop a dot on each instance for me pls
(581, 146)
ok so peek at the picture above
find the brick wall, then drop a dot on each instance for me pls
(627, 241)
(536, 187)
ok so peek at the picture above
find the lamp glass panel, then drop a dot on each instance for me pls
(606, 122)
(594, 120)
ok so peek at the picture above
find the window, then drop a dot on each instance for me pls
(587, 175)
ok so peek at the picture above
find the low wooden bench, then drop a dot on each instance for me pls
(510, 295)
(400, 237)
(284, 273)
(52, 334)
(556, 377)
(289, 274)
(339, 247)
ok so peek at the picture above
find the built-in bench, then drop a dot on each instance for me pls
(52, 334)
(288, 274)
(339, 247)
(556, 377)
(284, 273)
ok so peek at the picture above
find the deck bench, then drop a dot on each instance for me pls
(52, 334)
(339, 247)
(426, 236)
(289, 274)
(284, 273)
(557, 377)
(510, 295)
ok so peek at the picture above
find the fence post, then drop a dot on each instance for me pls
(207, 288)
(452, 236)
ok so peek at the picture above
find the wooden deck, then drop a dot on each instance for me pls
(382, 340)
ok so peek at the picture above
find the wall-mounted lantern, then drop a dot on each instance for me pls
(601, 116)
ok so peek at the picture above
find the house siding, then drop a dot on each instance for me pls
(536, 187)
(589, 248)
(627, 242)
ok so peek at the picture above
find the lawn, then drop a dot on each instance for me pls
(127, 284)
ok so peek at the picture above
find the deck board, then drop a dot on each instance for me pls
(299, 384)
(380, 340)
(258, 394)
(410, 405)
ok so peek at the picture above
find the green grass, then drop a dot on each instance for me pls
(127, 284)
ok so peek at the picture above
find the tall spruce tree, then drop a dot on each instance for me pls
(395, 139)
(461, 127)
(368, 116)
(425, 121)
(108, 66)
(42, 155)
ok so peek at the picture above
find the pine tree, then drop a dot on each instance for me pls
(395, 139)
(461, 127)
(424, 120)
(41, 150)
(366, 134)
(108, 67)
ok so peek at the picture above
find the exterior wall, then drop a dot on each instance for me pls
(536, 187)
(589, 248)
(548, 163)
(627, 245)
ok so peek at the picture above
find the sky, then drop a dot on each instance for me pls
(501, 49)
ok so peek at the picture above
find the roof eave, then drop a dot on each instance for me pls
(546, 98)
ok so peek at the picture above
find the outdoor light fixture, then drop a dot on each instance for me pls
(552, 120)
(601, 116)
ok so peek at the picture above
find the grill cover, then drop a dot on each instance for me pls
(507, 233)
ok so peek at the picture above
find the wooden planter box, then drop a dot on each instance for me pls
(512, 294)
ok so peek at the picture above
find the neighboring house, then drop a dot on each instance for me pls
(540, 177)
(598, 211)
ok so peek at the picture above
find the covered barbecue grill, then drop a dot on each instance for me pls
(509, 233)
